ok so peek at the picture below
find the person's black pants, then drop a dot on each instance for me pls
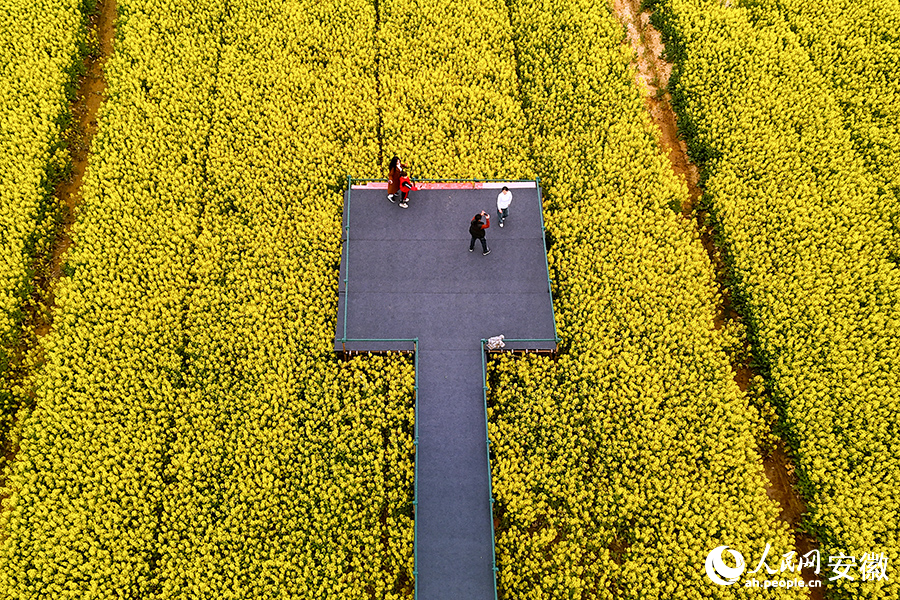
(483, 243)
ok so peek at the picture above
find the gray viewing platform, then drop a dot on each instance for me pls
(408, 274)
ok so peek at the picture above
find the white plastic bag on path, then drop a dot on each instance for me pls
(495, 343)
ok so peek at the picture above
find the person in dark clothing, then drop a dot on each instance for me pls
(406, 186)
(476, 228)
(394, 169)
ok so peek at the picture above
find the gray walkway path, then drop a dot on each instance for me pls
(411, 276)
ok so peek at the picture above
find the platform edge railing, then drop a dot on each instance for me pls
(554, 341)
(487, 434)
(346, 257)
(537, 182)
(415, 342)
(487, 437)
(416, 470)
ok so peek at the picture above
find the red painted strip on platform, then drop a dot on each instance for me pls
(451, 185)
(428, 185)
(496, 185)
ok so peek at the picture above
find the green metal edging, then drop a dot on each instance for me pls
(381, 340)
(537, 182)
(416, 472)
(527, 339)
(487, 437)
(415, 341)
(347, 253)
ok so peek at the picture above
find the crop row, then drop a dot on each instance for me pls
(857, 49)
(88, 482)
(41, 44)
(292, 475)
(618, 468)
(449, 99)
(194, 436)
(804, 234)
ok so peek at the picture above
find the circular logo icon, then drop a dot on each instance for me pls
(721, 573)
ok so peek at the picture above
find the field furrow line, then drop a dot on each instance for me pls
(803, 231)
(88, 481)
(47, 50)
(652, 74)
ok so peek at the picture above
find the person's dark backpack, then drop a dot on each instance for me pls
(475, 228)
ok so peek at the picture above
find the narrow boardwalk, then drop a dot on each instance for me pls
(410, 275)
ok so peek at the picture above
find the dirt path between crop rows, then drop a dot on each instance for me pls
(91, 89)
(48, 269)
(652, 74)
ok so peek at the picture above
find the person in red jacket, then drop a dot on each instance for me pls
(406, 186)
(476, 228)
(394, 169)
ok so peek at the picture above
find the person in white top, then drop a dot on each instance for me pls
(503, 200)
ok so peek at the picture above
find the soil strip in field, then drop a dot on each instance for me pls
(652, 74)
(91, 89)
(48, 268)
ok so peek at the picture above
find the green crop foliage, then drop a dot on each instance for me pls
(804, 228)
(857, 49)
(292, 475)
(449, 90)
(578, 482)
(89, 479)
(41, 44)
(194, 436)
(618, 469)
